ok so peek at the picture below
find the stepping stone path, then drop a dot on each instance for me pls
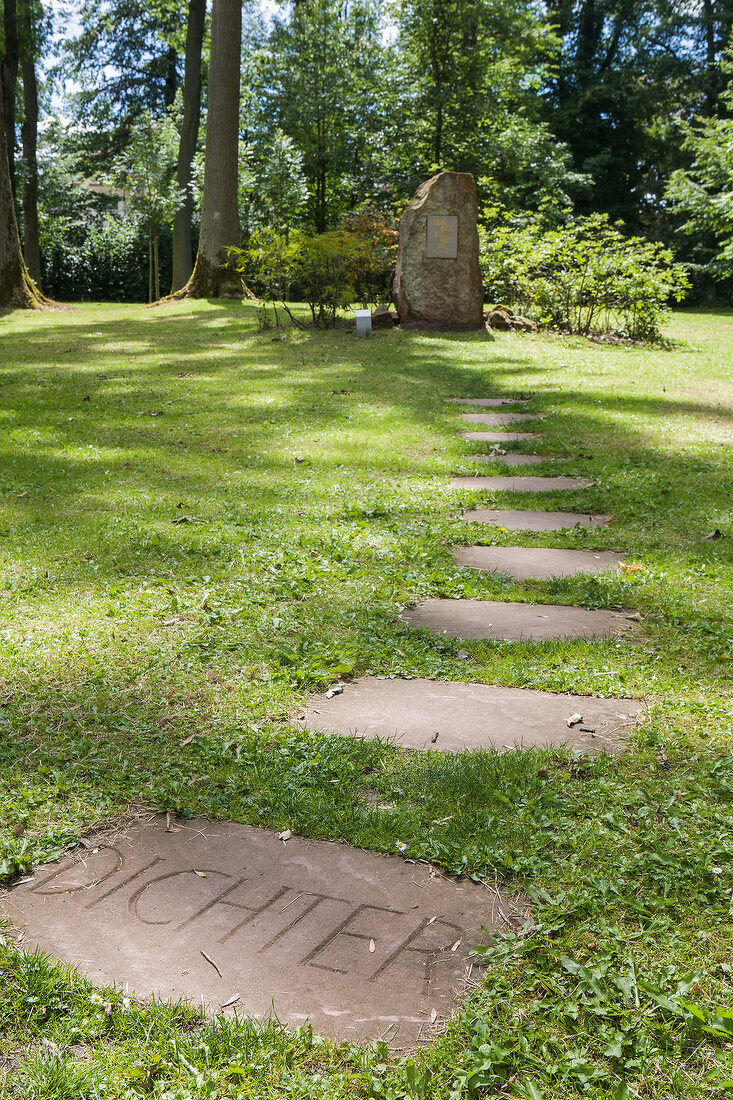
(526, 520)
(499, 437)
(450, 717)
(533, 563)
(514, 622)
(520, 484)
(359, 944)
(513, 460)
(487, 402)
(496, 420)
(362, 945)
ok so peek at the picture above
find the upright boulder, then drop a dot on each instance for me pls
(438, 280)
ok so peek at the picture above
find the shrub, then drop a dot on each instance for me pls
(582, 277)
(104, 259)
(375, 262)
(326, 268)
(329, 271)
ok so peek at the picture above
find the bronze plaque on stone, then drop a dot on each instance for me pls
(442, 236)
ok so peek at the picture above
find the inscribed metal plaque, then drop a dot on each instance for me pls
(442, 236)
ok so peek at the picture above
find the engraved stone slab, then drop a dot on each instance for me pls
(487, 402)
(519, 520)
(529, 562)
(514, 460)
(442, 236)
(469, 716)
(495, 420)
(358, 943)
(520, 484)
(514, 622)
(499, 437)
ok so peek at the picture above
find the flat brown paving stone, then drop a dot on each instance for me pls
(514, 622)
(499, 437)
(533, 563)
(496, 420)
(520, 484)
(517, 519)
(469, 716)
(360, 944)
(487, 402)
(514, 460)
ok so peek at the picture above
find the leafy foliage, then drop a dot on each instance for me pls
(582, 277)
(329, 271)
(146, 172)
(104, 259)
(273, 187)
(702, 194)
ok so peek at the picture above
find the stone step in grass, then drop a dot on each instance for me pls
(487, 402)
(534, 563)
(359, 944)
(517, 519)
(519, 484)
(451, 717)
(515, 622)
(496, 420)
(499, 437)
(513, 460)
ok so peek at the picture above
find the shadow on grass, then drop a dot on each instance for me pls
(121, 428)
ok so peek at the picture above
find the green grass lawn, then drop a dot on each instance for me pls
(201, 523)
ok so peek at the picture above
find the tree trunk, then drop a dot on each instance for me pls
(438, 135)
(150, 264)
(182, 255)
(156, 257)
(170, 85)
(711, 70)
(215, 275)
(9, 82)
(31, 245)
(17, 289)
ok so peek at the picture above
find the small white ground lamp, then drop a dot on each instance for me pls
(363, 321)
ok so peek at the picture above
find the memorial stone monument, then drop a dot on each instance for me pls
(438, 280)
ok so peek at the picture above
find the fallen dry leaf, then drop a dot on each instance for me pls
(630, 566)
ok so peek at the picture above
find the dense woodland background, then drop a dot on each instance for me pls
(560, 110)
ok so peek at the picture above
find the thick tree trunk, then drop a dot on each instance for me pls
(17, 289)
(31, 245)
(182, 253)
(214, 275)
(9, 82)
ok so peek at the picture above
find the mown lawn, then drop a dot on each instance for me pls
(200, 524)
